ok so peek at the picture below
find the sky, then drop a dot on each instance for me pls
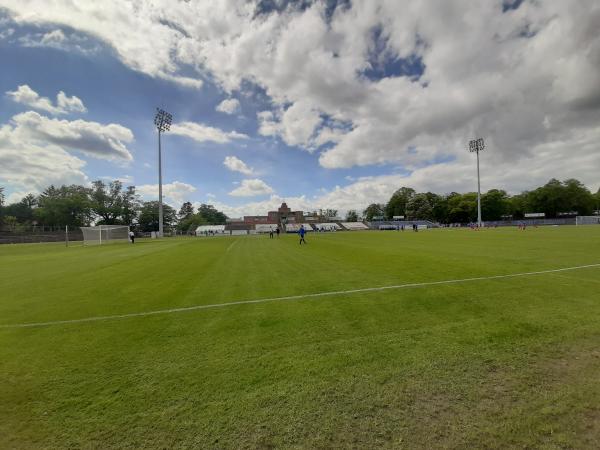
(323, 104)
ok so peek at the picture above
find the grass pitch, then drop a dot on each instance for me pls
(511, 362)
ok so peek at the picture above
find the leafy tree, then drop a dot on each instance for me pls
(186, 211)
(23, 211)
(130, 205)
(1, 203)
(439, 205)
(331, 212)
(462, 208)
(494, 204)
(396, 206)
(517, 205)
(11, 222)
(419, 208)
(351, 216)
(66, 205)
(579, 198)
(211, 215)
(373, 210)
(148, 217)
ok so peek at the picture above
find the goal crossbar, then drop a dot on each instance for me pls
(105, 234)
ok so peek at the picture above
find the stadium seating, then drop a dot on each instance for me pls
(354, 226)
(265, 227)
(327, 226)
(294, 227)
(210, 229)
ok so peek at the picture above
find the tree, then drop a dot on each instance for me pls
(1, 203)
(396, 206)
(130, 206)
(66, 205)
(148, 218)
(462, 208)
(419, 208)
(211, 215)
(22, 211)
(373, 210)
(494, 204)
(186, 211)
(351, 216)
(579, 197)
(331, 213)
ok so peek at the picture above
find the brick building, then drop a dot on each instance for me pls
(283, 215)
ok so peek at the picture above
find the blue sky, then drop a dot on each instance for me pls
(339, 105)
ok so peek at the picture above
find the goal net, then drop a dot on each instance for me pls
(105, 234)
(587, 220)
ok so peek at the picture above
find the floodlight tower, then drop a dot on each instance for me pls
(162, 120)
(477, 145)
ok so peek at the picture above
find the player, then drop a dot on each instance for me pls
(271, 233)
(302, 232)
(132, 236)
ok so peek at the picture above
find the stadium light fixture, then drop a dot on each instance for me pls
(162, 120)
(476, 146)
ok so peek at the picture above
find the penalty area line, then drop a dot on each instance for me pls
(293, 297)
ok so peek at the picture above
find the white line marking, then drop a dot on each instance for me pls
(293, 297)
(231, 245)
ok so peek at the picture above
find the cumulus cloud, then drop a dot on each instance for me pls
(30, 167)
(60, 40)
(204, 133)
(525, 79)
(252, 188)
(237, 165)
(37, 151)
(64, 104)
(91, 138)
(229, 106)
(175, 193)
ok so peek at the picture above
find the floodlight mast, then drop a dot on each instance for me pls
(162, 120)
(476, 146)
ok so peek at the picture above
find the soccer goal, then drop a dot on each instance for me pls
(587, 220)
(105, 234)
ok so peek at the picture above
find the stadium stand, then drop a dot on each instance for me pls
(331, 226)
(294, 227)
(204, 230)
(354, 226)
(265, 227)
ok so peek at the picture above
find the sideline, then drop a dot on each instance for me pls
(292, 297)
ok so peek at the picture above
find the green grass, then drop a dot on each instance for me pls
(511, 362)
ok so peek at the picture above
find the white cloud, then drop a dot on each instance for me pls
(36, 151)
(28, 166)
(237, 165)
(59, 40)
(175, 193)
(64, 104)
(91, 138)
(252, 188)
(5, 34)
(229, 106)
(526, 80)
(205, 133)
(125, 179)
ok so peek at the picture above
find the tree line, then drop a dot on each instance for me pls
(554, 199)
(101, 204)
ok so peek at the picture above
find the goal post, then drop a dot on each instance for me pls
(587, 220)
(105, 234)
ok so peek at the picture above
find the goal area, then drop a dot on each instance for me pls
(105, 234)
(587, 220)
